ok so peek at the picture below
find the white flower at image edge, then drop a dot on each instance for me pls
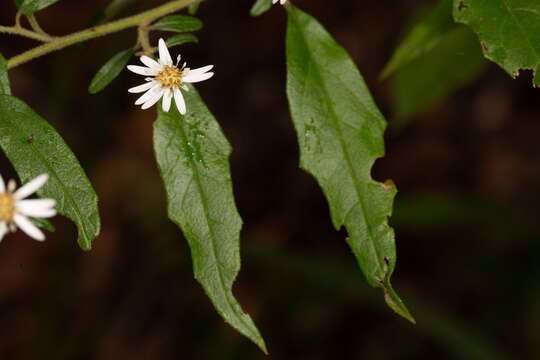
(282, 2)
(166, 80)
(14, 210)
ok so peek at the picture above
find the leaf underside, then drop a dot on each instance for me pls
(453, 63)
(508, 30)
(340, 134)
(34, 148)
(426, 32)
(192, 154)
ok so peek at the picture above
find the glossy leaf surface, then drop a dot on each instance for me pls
(260, 7)
(340, 133)
(110, 71)
(193, 157)
(181, 39)
(30, 6)
(509, 31)
(178, 23)
(34, 148)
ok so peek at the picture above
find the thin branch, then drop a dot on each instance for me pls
(58, 43)
(16, 30)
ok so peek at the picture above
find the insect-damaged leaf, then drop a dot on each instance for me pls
(193, 157)
(340, 132)
(34, 148)
(509, 31)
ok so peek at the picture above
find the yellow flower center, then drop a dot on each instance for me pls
(7, 206)
(170, 77)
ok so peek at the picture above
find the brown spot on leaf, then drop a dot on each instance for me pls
(484, 45)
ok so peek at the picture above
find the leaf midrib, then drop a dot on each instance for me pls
(522, 30)
(52, 171)
(344, 149)
(196, 179)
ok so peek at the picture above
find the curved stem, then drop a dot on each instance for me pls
(26, 33)
(94, 32)
(35, 25)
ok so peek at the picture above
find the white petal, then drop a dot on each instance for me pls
(141, 70)
(179, 100)
(164, 55)
(151, 63)
(149, 94)
(167, 96)
(282, 2)
(31, 187)
(3, 229)
(141, 88)
(37, 207)
(2, 186)
(28, 227)
(189, 78)
(200, 70)
(274, 1)
(153, 99)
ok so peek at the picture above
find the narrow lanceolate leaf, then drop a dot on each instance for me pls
(178, 23)
(453, 63)
(192, 154)
(181, 39)
(5, 88)
(30, 6)
(260, 7)
(509, 31)
(426, 32)
(340, 133)
(110, 71)
(34, 148)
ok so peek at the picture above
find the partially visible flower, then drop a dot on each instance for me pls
(282, 2)
(14, 210)
(166, 80)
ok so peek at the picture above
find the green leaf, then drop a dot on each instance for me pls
(178, 23)
(193, 8)
(43, 223)
(181, 39)
(30, 6)
(192, 154)
(340, 133)
(509, 31)
(34, 148)
(5, 88)
(110, 71)
(426, 32)
(453, 63)
(260, 7)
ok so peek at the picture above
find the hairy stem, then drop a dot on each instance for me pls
(17, 30)
(35, 25)
(94, 32)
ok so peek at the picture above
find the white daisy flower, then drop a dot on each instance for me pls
(166, 80)
(14, 210)
(282, 2)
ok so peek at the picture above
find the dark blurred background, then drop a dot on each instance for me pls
(466, 216)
